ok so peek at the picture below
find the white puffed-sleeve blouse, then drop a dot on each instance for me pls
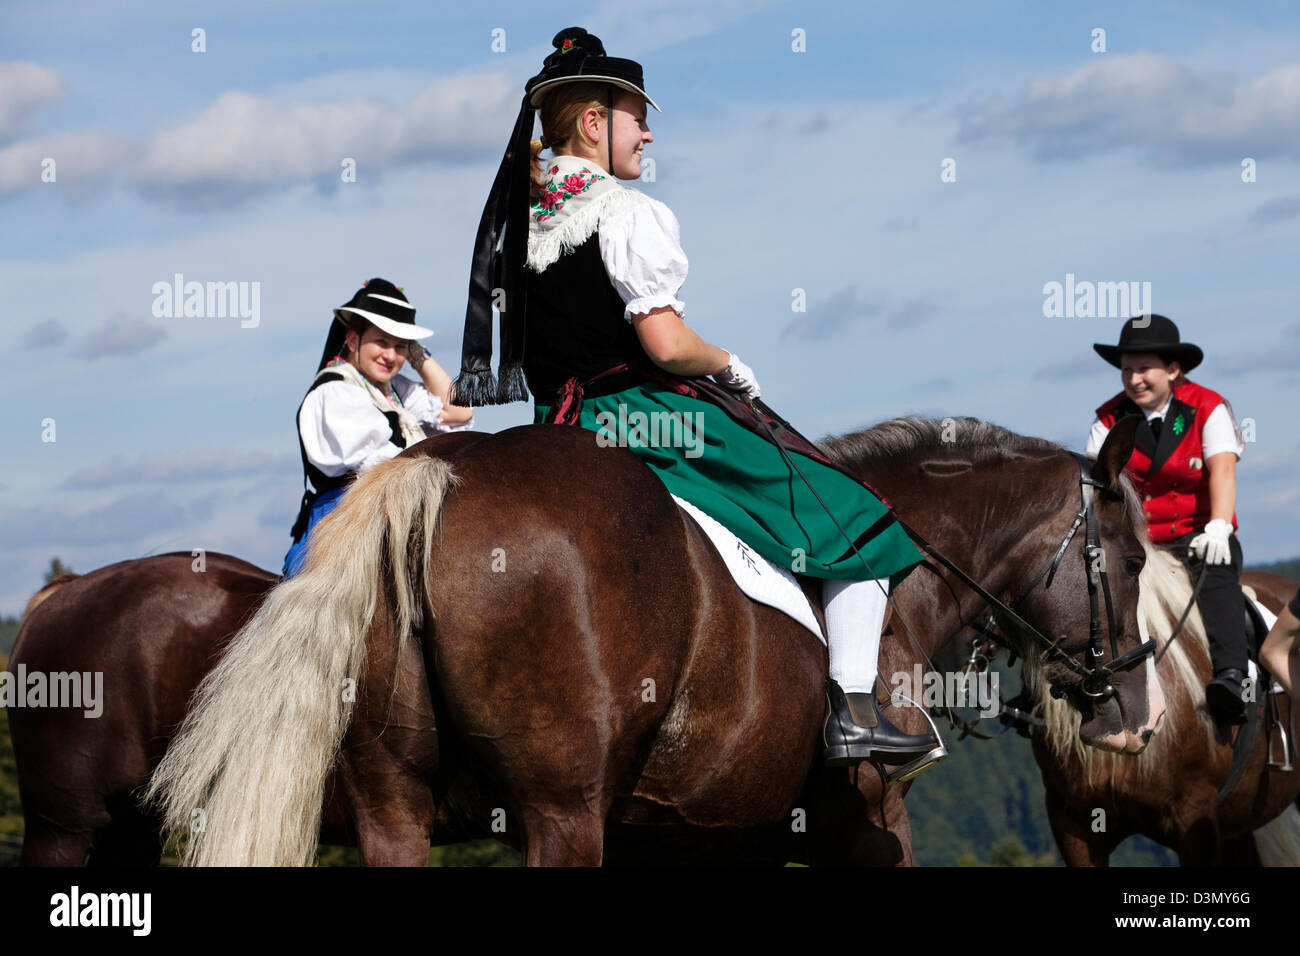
(640, 244)
(343, 431)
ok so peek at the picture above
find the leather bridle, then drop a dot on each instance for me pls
(1094, 676)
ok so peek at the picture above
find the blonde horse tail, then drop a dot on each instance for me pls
(1278, 841)
(245, 776)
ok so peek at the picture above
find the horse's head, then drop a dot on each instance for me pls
(1057, 535)
(1089, 606)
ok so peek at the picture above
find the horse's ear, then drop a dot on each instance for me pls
(1115, 451)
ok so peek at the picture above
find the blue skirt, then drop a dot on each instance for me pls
(298, 550)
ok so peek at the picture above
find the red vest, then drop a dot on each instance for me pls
(1170, 475)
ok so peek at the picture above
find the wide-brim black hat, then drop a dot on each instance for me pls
(1154, 334)
(380, 303)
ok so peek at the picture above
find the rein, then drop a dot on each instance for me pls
(1094, 677)
(987, 628)
(1191, 603)
(977, 663)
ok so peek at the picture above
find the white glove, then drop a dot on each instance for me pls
(1213, 543)
(738, 377)
(464, 426)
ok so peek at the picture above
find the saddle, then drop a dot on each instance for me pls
(758, 578)
(1256, 627)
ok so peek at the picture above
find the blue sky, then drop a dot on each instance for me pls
(815, 170)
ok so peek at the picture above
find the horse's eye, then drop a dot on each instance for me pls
(1134, 566)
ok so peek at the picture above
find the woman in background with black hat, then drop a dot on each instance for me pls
(358, 410)
(590, 273)
(1185, 468)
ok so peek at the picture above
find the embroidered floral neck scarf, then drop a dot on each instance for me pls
(575, 195)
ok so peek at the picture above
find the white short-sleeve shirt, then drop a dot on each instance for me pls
(640, 244)
(343, 431)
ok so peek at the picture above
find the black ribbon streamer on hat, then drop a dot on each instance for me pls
(502, 268)
(491, 269)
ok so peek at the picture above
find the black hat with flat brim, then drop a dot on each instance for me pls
(1154, 334)
(580, 57)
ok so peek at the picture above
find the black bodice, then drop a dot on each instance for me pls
(575, 325)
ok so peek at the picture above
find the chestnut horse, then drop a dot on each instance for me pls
(153, 627)
(599, 684)
(1170, 793)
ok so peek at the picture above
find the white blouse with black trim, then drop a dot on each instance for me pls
(342, 429)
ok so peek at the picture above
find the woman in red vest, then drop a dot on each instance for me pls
(1184, 466)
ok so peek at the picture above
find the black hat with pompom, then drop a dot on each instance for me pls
(579, 57)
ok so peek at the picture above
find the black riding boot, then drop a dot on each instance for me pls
(1225, 696)
(856, 730)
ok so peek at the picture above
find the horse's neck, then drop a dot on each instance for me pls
(981, 530)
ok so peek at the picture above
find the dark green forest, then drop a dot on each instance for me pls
(11, 815)
(1288, 569)
(8, 631)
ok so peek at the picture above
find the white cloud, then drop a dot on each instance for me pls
(127, 518)
(120, 336)
(82, 159)
(1148, 102)
(23, 88)
(243, 141)
(1277, 210)
(47, 333)
(199, 464)
(641, 28)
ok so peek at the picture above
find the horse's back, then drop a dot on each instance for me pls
(144, 632)
(583, 620)
(550, 550)
(1273, 590)
(128, 608)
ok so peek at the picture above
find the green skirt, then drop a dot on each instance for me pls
(743, 481)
